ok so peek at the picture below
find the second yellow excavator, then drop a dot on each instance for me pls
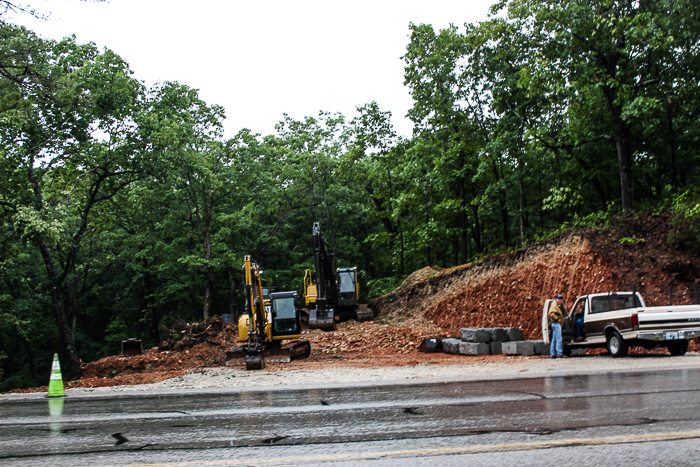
(262, 329)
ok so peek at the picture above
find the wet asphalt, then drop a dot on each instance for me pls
(649, 418)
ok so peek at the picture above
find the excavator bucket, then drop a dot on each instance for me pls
(256, 361)
(323, 319)
(364, 313)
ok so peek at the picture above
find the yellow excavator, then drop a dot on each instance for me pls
(263, 329)
(334, 294)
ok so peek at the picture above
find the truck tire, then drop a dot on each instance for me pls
(617, 347)
(677, 347)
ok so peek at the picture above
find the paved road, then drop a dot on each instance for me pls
(651, 418)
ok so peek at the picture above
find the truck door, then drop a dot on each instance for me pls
(546, 332)
(567, 328)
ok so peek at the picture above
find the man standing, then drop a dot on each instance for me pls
(556, 318)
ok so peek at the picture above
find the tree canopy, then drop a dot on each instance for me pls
(125, 209)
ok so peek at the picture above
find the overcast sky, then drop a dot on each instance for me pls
(262, 59)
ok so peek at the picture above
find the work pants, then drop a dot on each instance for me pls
(556, 349)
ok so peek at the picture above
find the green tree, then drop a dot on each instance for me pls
(66, 129)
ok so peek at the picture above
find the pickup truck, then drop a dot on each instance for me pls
(620, 320)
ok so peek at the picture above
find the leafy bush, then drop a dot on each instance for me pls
(685, 225)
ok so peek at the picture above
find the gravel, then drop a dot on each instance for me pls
(481, 368)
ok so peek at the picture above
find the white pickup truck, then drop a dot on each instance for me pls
(620, 320)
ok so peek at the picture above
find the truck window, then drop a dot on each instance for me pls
(614, 302)
(578, 307)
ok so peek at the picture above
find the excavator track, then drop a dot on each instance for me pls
(294, 350)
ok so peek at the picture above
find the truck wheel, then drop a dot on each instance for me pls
(677, 347)
(617, 347)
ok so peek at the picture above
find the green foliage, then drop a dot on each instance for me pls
(685, 226)
(115, 333)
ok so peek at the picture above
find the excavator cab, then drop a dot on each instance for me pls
(285, 315)
(348, 287)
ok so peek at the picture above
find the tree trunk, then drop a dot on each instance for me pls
(624, 153)
(464, 234)
(193, 296)
(71, 364)
(233, 294)
(520, 214)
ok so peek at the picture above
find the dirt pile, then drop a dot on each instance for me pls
(509, 290)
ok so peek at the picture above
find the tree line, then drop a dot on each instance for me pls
(125, 209)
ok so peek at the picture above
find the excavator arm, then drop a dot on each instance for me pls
(256, 316)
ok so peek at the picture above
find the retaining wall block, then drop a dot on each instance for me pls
(540, 348)
(474, 348)
(475, 335)
(496, 348)
(515, 334)
(525, 348)
(509, 348)
(499, 335)
(451, 345)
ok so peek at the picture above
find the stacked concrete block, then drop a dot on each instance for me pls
(451, 345)
(499, 335)
(525, 348)
(514, 334)
(540, 348)
(474, 348)
(509, 348)
(475, 334)
(485, 341)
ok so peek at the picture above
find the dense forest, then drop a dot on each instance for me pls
(124, 209)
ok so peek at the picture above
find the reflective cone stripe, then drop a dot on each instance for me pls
(56, 380)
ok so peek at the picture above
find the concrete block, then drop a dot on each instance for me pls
(475, 335)
(499, 335)
(540, 348)
(509, 348)
(473, 348)
(578, 351)
(496, 348)
(514, 334)
(525, 348)
(451, 345)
